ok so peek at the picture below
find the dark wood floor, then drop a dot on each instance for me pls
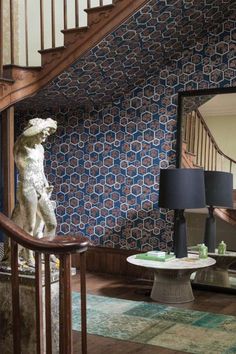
(132, 289)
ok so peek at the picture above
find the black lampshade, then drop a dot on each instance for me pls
(219, 189)
(182, 188)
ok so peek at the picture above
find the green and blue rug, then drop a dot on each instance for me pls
(151, 323)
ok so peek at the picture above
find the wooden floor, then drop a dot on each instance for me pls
(121, 287)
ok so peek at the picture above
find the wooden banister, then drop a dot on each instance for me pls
(200, 141)
(64, 247)
(25, 7)
(55, 245)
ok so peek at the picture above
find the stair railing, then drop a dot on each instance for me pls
(42, 22)
(201, 144)
(43, 248)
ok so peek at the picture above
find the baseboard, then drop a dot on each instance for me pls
(112, 261)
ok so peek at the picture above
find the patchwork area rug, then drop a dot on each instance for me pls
(151, 323)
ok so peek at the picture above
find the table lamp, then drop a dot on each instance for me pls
(179, 189)
(219, 193)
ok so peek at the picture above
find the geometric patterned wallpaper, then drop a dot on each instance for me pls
(105, 170)
(104, 161)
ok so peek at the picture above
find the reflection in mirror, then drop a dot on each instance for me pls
(207, 139)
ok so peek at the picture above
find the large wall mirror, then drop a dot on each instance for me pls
(207, 139)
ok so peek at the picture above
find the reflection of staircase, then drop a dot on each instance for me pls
(17, 82)
(199, 149)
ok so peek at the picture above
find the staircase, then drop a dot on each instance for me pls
(199, 149)
(18, 81)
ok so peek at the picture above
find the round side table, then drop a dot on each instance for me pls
(172, 278)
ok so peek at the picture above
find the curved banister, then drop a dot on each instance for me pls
(63, 246)
(201, 145)
(220, 152)
(55, 245)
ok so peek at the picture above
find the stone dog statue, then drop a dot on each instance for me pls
(34, 211)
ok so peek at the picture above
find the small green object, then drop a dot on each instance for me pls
(203, 251)
(148, 257)
(222, 248)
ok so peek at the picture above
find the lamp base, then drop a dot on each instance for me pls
(210, 231)
(180, 235)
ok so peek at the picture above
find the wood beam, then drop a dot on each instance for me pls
(8, 161)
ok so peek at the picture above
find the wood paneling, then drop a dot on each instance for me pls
(112, 261)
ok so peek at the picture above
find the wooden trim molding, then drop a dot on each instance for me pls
(112, 261)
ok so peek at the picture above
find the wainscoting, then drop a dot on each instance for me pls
(112, 261)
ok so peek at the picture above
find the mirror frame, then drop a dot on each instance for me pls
(181, 96)
(193, 93)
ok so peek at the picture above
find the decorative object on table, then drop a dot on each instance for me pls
(203, 251)
(154, 256)
(222, 248)
(219, 193)
(181, 188)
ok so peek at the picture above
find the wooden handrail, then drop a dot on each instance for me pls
(64, 247)
(55, 245)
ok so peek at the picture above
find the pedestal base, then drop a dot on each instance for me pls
(172, 286)
(27, 310)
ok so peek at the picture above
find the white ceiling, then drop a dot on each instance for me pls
(220, 105)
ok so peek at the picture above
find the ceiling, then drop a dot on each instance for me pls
(223, 105)
(152, 39)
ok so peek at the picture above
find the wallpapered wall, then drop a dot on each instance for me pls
(105, 163)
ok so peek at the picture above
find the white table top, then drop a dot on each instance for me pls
(190, 262)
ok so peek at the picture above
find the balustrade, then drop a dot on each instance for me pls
(38, 24)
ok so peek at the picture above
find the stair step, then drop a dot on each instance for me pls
(6, 80)
(94, 11)
(7, 66)
(50, 54)
(98, 8)
(72, 34)
(11, 71)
